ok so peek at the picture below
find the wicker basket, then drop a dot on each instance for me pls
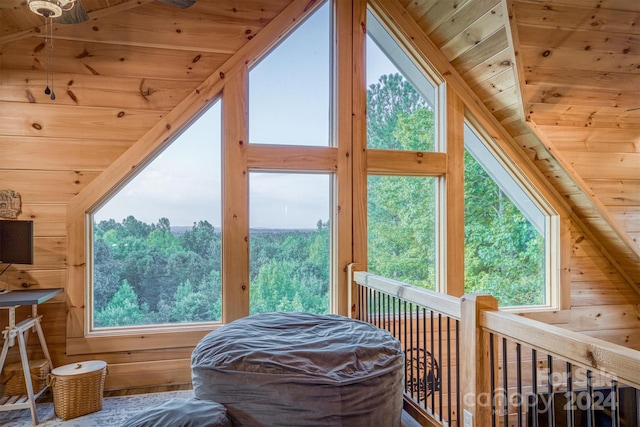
(77, 388)
(13, 377)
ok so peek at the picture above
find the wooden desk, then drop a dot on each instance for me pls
(12, 300)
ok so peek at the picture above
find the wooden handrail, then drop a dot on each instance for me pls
(480, 318)
(611, 359)
(435, 301)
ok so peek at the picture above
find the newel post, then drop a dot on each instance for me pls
(354, 303)
(475, 365)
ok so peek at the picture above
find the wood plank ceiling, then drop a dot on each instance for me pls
(562, 76)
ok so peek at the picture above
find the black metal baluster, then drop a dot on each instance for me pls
(492, 361)
(551, 420)
(433, 355)
(440, 358)
(505, 383)
(424, 357)
(449, 370)
(412, 348)
(389, 318)
(379, 309)
(458, 407)
(519, 382)
(404, 343)
(615, 413)
(534, 385)
(590, 409)
(395, 319)
(370, 292)
(571, 406)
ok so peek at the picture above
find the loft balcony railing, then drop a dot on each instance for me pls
(468, 364)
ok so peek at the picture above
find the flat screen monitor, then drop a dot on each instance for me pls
(16, 241)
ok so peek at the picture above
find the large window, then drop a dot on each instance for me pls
(289, 212)
(156, 242)
(402, 229)
(290, 242)
(505, 231)
(289, 88)
(401, 210)
(402, 102)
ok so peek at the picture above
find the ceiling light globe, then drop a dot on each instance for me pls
(50, 8)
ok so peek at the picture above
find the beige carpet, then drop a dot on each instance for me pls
(115, 410)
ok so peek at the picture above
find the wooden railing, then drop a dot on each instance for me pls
(469, 364)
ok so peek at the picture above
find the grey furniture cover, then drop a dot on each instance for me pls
(178, 412)
(300, 369)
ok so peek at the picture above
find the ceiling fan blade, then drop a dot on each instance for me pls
(76, 15)
(182, 4)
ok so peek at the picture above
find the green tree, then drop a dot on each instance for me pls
(401, 210)
(504, 254)
(278, 287)
(389, 101)
(105, 274)
(156, 264)
(122, 309)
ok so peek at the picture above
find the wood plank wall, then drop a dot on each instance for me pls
(48, 168)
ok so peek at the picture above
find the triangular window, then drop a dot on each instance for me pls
(156, 241)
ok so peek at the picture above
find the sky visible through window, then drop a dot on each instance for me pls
(183, 183)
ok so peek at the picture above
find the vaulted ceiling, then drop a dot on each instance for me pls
(561, 76)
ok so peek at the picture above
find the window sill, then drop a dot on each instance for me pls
(109, 341)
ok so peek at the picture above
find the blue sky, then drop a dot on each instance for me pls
(288, 104)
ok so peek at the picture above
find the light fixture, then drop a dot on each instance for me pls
(50, 9)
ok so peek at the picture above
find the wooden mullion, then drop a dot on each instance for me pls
(406, 163)
(292, 158)
(343, 88)
(454, 195)
(359, 142)
(235, 200)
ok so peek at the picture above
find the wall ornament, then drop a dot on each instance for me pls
(10, 204)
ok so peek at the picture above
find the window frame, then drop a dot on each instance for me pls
(91, 330)
(552, 231)
(456, 108)
(239, 157)
(433, 164)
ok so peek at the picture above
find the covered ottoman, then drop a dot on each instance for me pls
(301, 369)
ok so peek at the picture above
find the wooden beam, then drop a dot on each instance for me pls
(359, 142)
(235, 199)
(348, 41)
(453, 215)
(291, 158)
(408, 163)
